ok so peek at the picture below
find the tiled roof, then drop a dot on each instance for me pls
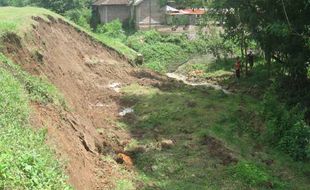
(111, 2)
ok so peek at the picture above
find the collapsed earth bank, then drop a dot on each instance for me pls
(85, 72)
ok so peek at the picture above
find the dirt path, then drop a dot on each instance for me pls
(184, 79)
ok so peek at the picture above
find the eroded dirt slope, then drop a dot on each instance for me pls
(85, 72)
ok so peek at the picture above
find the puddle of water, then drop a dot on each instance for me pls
(126, 111)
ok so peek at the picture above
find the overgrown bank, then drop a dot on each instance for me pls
(215, 141)
(26, 161)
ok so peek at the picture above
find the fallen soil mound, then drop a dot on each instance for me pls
(85, 72)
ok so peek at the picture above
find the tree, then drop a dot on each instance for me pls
(59, 6)
(280, 27)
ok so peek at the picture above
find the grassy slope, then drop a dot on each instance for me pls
(187, 115)
(19, 20)
(25, 161)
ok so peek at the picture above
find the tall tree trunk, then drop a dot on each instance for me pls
(246, 57)
(242, 47)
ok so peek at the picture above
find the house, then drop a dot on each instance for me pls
(108, 10)
(148, 13)
(144, 13)
(184, 17)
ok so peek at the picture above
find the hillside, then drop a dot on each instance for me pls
(81, 68)
(75, 105)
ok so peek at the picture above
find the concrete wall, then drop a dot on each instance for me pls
(149, 12)
(112, 12)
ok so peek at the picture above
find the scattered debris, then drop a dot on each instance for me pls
(115, 86)
(126, 111)
(99, 104)
(167, 143)
(124, 159)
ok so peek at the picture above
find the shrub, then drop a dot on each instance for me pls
(286, 128)
(112, 29)
(164, 55)
(164, 52)
(249, 173)
(80, 17)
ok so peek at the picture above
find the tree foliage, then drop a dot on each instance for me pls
(280, 27)
(59, 6)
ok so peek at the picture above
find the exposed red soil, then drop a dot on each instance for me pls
(82, 70)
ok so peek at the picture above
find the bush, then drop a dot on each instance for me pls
(254, 176)
(249, 173)
(80, 17)
(164, 55)
(164, 52)
(140, 38)
(286, 128)
(112, 29)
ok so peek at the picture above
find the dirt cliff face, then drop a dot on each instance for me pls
(85, 72)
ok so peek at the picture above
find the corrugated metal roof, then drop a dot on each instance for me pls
(193, 11)
(111, 2)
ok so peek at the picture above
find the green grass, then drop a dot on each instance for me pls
(187, 115)
(209, 67)
(117, 45)
(124, 185)
(164, 53)
(39, 89)
(20, 21)
(25, 160)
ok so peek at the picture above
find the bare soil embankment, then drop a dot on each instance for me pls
(85, 72)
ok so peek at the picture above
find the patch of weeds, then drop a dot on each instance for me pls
(132, 145)
(164, 53)
(6, 26)
(254, 175)
(38, 88)
(108, 159)
(207, 67)
(124, 184)
(122, 125)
